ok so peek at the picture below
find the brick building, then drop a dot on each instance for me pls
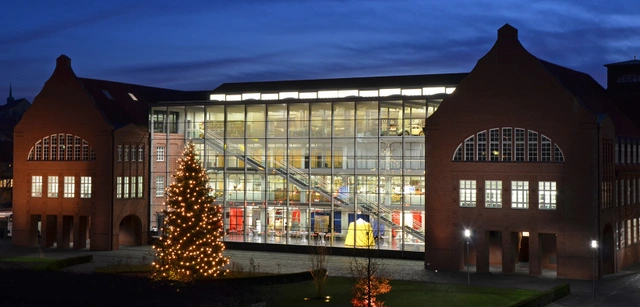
(536, 161)
(81, 163)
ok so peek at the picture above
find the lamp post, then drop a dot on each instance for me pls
(467, 234)
(594, 247)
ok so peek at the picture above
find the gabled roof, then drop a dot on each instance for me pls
(124, 103)
(343, 83)
(592, 96)
(631, 62)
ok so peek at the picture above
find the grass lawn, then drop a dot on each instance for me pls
(27, 263)
(403, 293)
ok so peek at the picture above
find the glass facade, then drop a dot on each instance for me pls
(306, 172)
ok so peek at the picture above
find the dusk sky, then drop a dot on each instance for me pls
(197, 45)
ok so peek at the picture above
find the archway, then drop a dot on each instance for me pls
(130, 231)
(608, 250)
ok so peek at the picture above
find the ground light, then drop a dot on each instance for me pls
(467, 235)
(594, 247)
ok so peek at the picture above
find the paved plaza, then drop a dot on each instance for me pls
(621, 289)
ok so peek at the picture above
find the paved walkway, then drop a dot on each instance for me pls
(621, 289)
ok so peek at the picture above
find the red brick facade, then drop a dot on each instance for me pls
(92, 213)
(511, 88)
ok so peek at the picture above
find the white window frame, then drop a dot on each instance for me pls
(468, 193)
(125, 186)
(159, 186)
(85, 186)
(36, 186)
(519, 194)
(160, 153)
(134, 186)
(69, 186)
(140, 187)
(493, 193)
(52, 186)
(547, 195)
(118, 187)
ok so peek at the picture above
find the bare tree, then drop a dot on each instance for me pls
(370, 281)
(318, 268)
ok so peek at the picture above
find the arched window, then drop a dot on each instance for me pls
(61, 147)
(508, 144)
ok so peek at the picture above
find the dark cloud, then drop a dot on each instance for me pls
(41, 31)
(205, 43)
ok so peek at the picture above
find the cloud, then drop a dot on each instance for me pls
(48, 30)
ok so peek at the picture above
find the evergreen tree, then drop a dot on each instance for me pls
(191, 245)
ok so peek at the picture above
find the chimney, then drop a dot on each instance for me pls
(63, 61)
(508, 33)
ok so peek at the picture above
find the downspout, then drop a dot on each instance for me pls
(600, 118)
(112, 200)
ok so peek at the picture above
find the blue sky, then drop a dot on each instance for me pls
(197, 45)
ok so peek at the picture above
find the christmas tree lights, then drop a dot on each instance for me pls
(191, 245)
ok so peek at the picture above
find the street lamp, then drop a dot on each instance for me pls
(467, 235)
(594, 247)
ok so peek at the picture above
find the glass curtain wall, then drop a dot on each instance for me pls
(340, 173)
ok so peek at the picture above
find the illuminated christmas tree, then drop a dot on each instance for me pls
(191, 245)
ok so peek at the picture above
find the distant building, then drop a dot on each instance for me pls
(81, 163)
(10, 114)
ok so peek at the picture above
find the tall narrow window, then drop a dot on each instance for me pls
(547, 192)
(621, 234)
(134, 151)
(160, 153)
(133, 186)
(54, 147)
(533, 146)
(519, 144)
(635, 230)
(118, 187)
(506, 144)
(493, 194)
(69, 187)
(520, 194)
(457, 156)
(159, 186)
(467, 193)
(36, 186)
(85, 187)
(494, 145)
(140, 153)
(38, 151)
(77, 148)
(61, 147)
(125, 186)
(52, 186)
(468, 149)
(126, 152)
(629, 235)
(85, 150)
(45, 147)
(119, 152)
(69, 147)
(545, 150)
(482, 146)
(140, 187)
(559, 156)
